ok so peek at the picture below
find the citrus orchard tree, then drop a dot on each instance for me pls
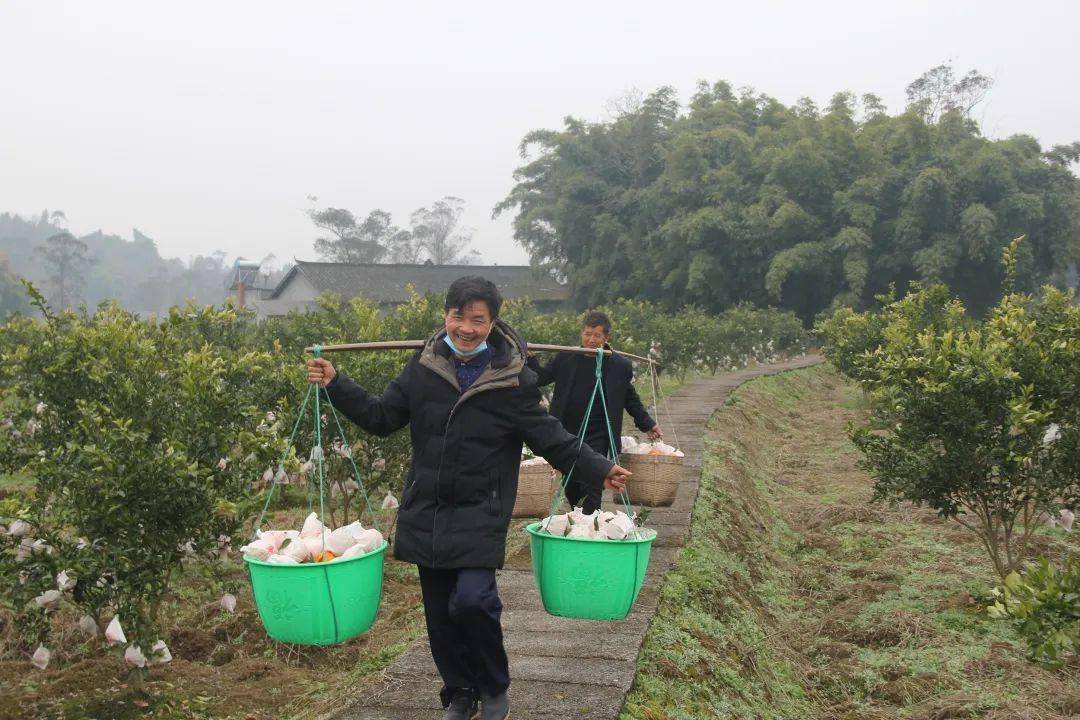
(143, 440)
(978, 420)
(688, 340)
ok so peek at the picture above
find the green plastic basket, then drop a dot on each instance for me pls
(589, 579)
(318, 603)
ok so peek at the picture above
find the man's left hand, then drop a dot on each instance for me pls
(655, 433)
(616, 478)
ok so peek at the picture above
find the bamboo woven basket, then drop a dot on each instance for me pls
(655, 480)
(534, 491)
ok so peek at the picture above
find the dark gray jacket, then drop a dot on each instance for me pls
(619, 390)
(462, 482)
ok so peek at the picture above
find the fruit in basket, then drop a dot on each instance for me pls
(581, 531)
(313, 527)
(653, 448)
(260, 549)
(530, 462)
(313, 543)
(343, 538)
(556, 525)
(297, 549)
(595, 526)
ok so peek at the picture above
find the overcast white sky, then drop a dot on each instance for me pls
(207, 124)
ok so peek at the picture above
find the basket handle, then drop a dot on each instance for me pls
(281, 461)
(318, 455)
(598, 389)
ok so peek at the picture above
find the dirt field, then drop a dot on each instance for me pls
(224, 664)
(224, 667)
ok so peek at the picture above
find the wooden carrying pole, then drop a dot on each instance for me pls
(417, 344)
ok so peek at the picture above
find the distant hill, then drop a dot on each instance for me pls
(130, 271)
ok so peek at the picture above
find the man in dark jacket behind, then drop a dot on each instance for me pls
(574, 376)
(470, 402)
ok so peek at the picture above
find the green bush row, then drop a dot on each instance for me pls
(148, 440)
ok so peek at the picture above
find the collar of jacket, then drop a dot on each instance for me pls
(507, 360)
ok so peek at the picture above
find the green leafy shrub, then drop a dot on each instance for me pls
(1044, 605)
(144, 448)
(684, 341)
(979, 421)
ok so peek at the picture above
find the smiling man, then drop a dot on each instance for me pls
(470, 403)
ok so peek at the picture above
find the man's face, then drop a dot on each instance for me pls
(469, 326)
(593, 336)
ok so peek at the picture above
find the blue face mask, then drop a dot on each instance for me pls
(465, 353)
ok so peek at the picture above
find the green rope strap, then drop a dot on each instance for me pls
(352, 460)
(598, 389)
(285, 454)
(319, 455)
(656, 389)
(623, 495)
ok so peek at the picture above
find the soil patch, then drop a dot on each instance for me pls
(224, 665)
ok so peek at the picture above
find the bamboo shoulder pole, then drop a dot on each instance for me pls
(382, 345)
(540, 347)
(417, 344)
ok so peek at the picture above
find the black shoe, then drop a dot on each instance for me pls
(462, 707)
(495, 707)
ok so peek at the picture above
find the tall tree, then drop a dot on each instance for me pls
(938, 91)
(350, 240)
(740, 198)
(1064, 155)
(438, 234)
(66, 260)
(405, 247)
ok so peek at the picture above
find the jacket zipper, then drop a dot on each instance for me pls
(438, 474)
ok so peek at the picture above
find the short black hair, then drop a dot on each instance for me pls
(595, 318)
(470, 289)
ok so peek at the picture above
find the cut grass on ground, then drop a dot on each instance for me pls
(797, 598)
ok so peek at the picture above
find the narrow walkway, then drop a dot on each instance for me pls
(563, 668)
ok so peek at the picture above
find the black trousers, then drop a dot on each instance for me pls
(585, 495)
(463, 613)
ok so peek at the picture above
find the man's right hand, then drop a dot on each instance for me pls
(616, 478)
(320, 371)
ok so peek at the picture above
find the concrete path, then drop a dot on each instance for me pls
(564, 668)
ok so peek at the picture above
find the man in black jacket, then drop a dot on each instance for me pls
(470, 402)
(574, 376)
